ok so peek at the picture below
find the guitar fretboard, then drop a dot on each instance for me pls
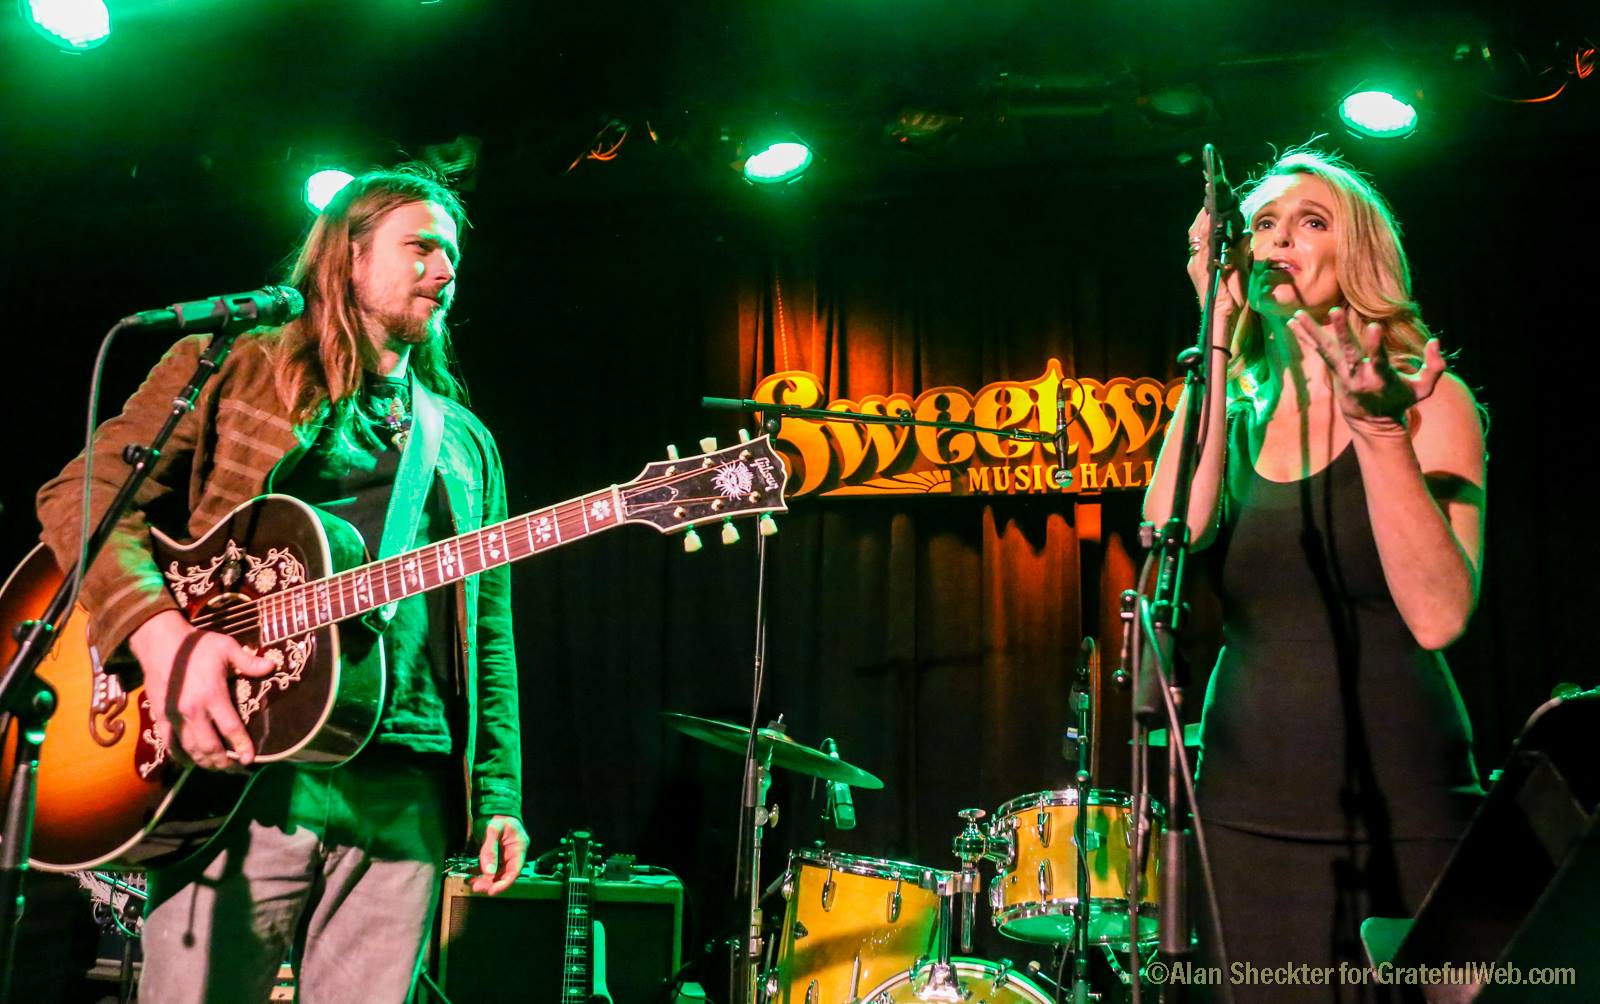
(575, 963)
(306, 607)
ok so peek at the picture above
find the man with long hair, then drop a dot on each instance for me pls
(340, 866)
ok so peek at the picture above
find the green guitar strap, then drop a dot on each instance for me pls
(412, 483)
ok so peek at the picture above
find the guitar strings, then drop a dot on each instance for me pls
(242, 617)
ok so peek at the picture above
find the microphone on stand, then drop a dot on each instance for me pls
(1222, 202)
(268, 306)
(1063, 475)
(1070, 735)
(841, 807)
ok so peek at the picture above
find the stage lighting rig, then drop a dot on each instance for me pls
(70, 25)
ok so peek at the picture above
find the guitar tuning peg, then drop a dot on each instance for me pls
(730, 533)
(767, 525)
(708, 444)
(744, 435)
(672, 452)
(691, 542)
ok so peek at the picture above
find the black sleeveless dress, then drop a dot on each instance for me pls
(1337, 769)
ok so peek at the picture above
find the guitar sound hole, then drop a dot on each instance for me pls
(215, 614)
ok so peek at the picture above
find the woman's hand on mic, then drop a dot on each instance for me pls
(1231, 298)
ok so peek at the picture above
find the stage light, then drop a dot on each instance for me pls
(322, 186)
(777, 163)
(1377, 114)
(73, 25)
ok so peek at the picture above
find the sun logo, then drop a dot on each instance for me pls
(733, 480)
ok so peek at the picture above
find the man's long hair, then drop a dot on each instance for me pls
(323, 355)
(1371, 265)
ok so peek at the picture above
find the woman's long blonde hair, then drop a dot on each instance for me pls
(322, 356)
(1371, 265)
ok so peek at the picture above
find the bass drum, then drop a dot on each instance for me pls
(977, 982)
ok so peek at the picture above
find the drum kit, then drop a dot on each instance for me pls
(864, 930)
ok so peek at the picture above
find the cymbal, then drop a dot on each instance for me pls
(1191, 736)
(785, 752)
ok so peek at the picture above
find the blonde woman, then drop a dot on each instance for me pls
(1341, 489)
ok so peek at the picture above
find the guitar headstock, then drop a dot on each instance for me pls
(579, 852)
(683, 492)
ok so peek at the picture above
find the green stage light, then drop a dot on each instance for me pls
(777, 163)
(324, 185)
(1377, 114)
(74, 25)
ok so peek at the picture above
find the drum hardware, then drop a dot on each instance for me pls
(771, 747)
(972, 845)
(960, 980)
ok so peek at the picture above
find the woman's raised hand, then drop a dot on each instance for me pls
(1366, 385)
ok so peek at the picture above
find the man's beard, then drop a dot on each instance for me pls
(412, 330)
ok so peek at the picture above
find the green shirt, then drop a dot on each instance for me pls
(353, 480)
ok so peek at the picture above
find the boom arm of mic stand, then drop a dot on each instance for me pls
(902, 419)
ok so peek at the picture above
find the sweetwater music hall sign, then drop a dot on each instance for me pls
(1114, 434)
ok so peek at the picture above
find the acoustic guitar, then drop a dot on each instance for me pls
(294, 584)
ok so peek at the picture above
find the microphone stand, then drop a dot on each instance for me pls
(1081, 836)
(754, 816)
(1164, 612)
(27, 701)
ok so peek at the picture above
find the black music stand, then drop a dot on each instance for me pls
(1523, 886)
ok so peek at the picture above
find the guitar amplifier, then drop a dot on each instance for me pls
(509, 947)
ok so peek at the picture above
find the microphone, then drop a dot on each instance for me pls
(1222, 202)
(267, 306)
(1078, 700)
(840, 805)
(1063, 475)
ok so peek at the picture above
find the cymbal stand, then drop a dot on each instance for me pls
(761, 816)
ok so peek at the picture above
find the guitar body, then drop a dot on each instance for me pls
(110, 797)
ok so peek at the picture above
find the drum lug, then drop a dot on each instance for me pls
(1004, 975)
(827, 892)
(769, 985)
(1044, 880)
(1042, 827)
(788, 887)
(799, 929)
(811, 992)
(997, 897)
(894, 903)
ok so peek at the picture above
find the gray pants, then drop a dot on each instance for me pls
(342, 866)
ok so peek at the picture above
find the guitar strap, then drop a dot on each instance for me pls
(412, 482)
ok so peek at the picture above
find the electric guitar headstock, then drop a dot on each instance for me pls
(579, 855)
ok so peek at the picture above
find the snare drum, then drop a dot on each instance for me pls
(976, 981)
(851, 923)
(1034, 895)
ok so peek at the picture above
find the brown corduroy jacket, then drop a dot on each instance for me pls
(226, 451)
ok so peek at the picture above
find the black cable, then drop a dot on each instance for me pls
(1175, 736)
